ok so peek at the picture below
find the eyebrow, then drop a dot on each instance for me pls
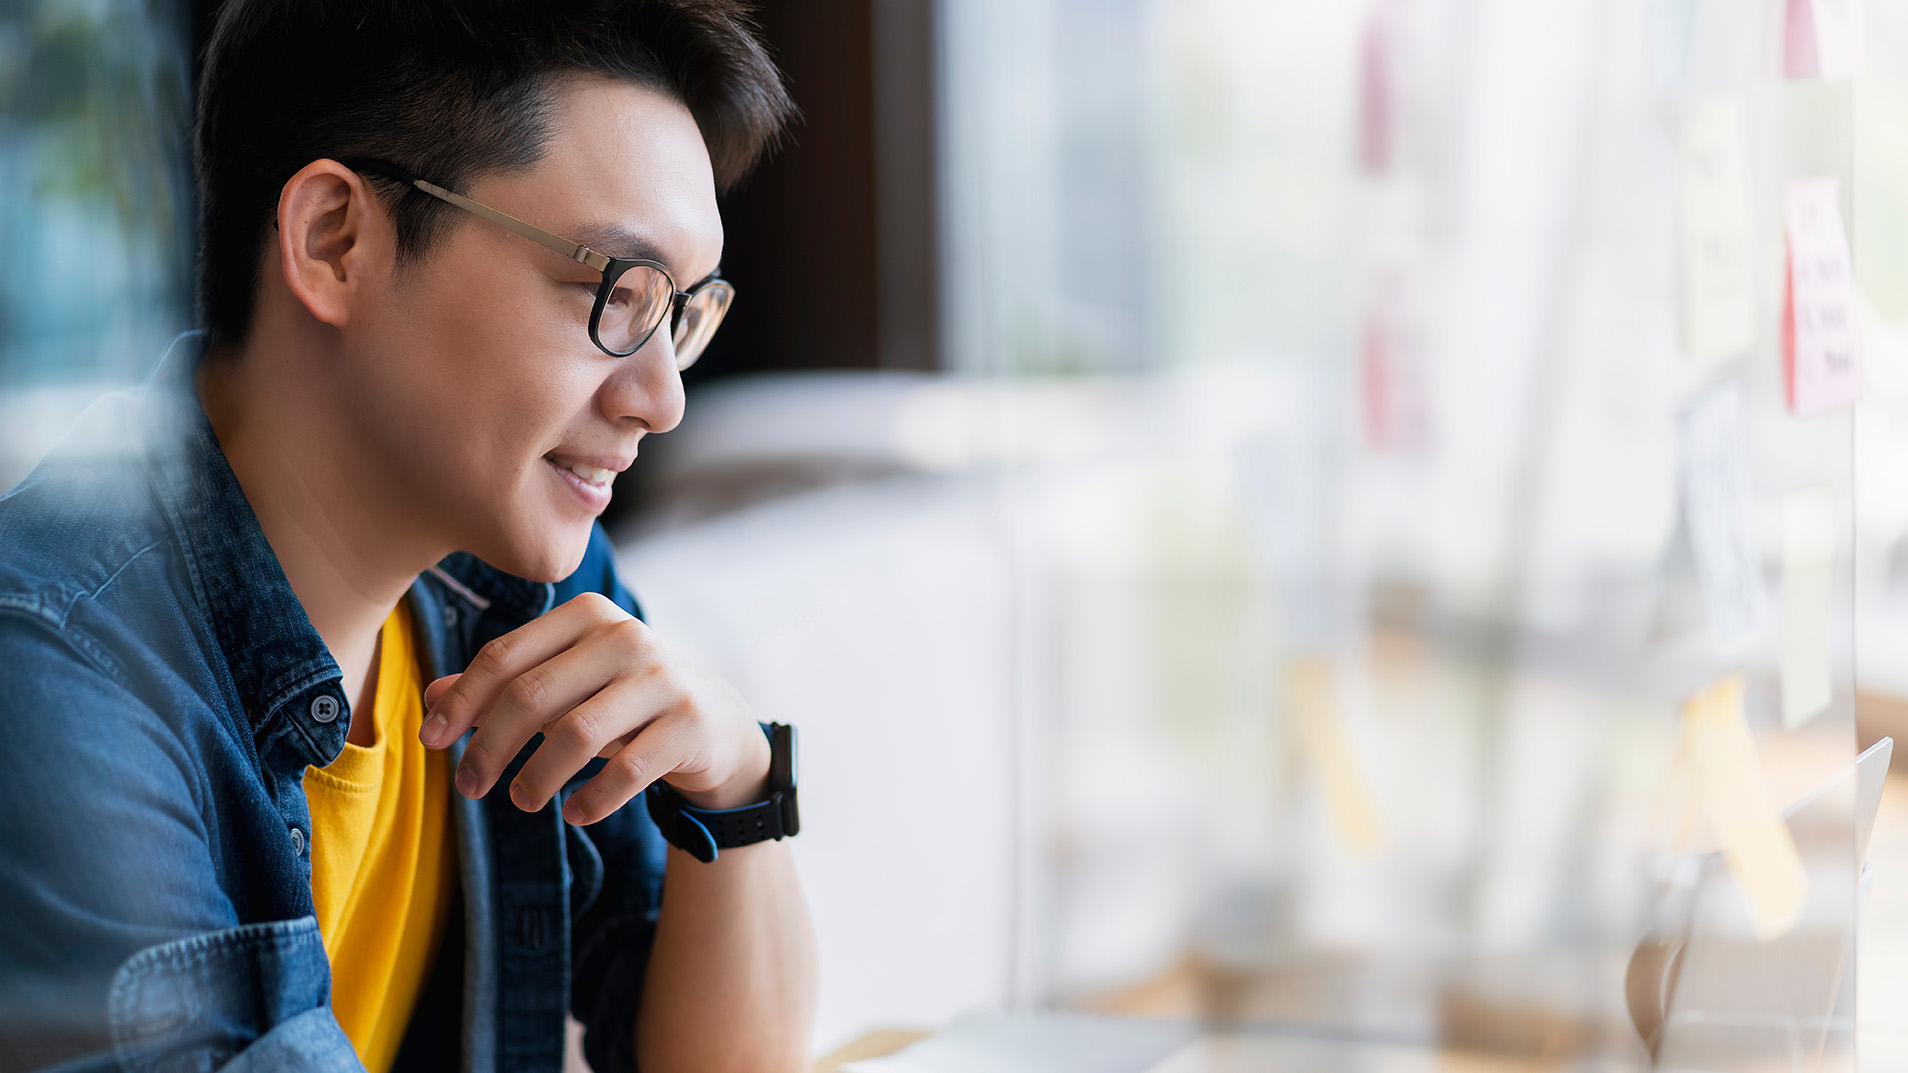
(615, 240)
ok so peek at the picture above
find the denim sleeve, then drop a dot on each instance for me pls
(617, 864)
(117, 939)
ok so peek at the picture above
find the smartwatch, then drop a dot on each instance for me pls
(702, 833)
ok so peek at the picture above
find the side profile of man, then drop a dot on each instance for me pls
(329, 738)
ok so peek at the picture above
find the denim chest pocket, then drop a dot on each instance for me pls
(195, 1003)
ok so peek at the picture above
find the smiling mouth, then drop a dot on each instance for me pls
(594, 475)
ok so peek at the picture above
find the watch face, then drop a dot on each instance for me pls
(782, 763)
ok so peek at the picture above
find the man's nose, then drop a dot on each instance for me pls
(647, 387)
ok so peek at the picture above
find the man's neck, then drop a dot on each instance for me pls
(348, 554)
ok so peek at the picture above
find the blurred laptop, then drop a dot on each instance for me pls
(1734, 1002)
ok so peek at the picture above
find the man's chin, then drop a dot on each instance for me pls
(550, 557)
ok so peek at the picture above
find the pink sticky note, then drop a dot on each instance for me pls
(1823, 39)
(1394, 384)
(1821, 340)
(1376, 103)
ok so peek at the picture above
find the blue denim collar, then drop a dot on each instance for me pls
(279, 664)
(277, 660)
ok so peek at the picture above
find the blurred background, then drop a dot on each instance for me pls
(1237, 494)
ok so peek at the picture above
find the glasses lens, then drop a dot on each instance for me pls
(636, 304)
(701, 316)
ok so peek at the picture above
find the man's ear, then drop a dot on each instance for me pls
(329, 224)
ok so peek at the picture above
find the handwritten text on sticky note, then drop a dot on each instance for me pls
(1719, 310)
(1821, 356)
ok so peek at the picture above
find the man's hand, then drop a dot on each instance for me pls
(596, 681)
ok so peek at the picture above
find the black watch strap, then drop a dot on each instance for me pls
(702, 833)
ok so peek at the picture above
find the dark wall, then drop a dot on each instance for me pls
(801, 231)
(833, 244)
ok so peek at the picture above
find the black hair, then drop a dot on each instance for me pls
(450, 89)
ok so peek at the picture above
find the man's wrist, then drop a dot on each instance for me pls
(749, 785)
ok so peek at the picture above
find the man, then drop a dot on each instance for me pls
(455, 253)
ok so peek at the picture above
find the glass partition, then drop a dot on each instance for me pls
(1426, 455)
(96, 208)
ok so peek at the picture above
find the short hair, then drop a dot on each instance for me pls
(451, 90)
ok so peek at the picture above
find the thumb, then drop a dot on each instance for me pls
(437, 689)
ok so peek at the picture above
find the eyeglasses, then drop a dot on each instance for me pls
(636, 295)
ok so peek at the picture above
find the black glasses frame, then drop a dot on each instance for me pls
(612, 268)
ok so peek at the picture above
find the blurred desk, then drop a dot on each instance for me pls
(1517, 1011)
(1262, 1052)
(877, 1044)
(1268, 1053)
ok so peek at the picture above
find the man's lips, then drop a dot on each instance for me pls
(591, 488)
(592, 469)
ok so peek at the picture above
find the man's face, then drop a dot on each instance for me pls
(473, 369)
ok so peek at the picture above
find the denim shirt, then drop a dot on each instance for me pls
(161, 695)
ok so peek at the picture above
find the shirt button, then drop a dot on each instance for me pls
(531, 929)
(450, 616)
(298, 842)
(324, 707)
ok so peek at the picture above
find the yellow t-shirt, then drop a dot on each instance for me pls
(381, 857)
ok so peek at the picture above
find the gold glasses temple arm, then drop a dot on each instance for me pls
(580, 254)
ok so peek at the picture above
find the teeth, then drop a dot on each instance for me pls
(591, 474)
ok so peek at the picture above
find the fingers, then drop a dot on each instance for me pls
(497, 664)
(532, 701)
(598, 726)
(593, 681)
(435, 690)
(662, 747)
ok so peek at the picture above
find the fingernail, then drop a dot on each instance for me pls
(433, 730)
(572, 813)
(517, 796)
(466, 781)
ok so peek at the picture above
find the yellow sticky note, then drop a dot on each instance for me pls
(1756, 844)
(1808, 563)
(1719, 304)
(1350, 805)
